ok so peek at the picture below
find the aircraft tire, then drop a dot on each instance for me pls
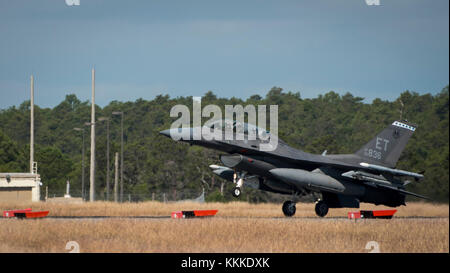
(321, 209)
(236, 192)
(289, 208)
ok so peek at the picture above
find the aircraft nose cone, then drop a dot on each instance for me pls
(183, 134)
(165, 132)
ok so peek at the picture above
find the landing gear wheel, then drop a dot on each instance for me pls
(236, 192)
(321, 208)
(289, 208)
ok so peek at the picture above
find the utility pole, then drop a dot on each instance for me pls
(32, 125)
(82, 165)
(121, 160)
(92, 178)
(116, 177)
(107, 160)
(83, 196)
(107, 155)
(121, 153)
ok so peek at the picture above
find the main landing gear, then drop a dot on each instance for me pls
(289, 208)
(321, 208)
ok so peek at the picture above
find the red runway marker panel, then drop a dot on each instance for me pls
(11, 213)
(382, 214)
(25, 213)
(193, 213)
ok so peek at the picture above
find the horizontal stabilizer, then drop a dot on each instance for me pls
(403, 191)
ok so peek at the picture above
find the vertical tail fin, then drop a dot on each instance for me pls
(385, 149)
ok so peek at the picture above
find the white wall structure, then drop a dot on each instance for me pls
(20, 187)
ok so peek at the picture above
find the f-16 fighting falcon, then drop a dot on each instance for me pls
(342, 180)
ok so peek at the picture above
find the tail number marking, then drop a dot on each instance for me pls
(372, 153)
(382, 144)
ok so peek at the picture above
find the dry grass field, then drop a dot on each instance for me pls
(238, 227)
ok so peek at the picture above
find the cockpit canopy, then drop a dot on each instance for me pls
(236, 126)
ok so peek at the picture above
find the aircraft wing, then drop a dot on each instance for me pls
(353, 162)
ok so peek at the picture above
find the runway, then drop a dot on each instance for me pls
(163, 217)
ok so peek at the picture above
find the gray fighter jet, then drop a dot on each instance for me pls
(342, 180)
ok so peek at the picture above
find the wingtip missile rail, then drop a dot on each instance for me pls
(395, 172)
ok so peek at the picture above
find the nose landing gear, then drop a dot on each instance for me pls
(239, 182)
(236, 192)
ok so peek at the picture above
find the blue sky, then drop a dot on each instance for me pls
(235, 48)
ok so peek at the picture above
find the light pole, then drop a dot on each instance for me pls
(91, 186)
(92, 173)
(82, 164)
(107, 155)
(116, 177)
(32, 125)
(121, 153)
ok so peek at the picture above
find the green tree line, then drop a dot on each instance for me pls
(153, 163)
